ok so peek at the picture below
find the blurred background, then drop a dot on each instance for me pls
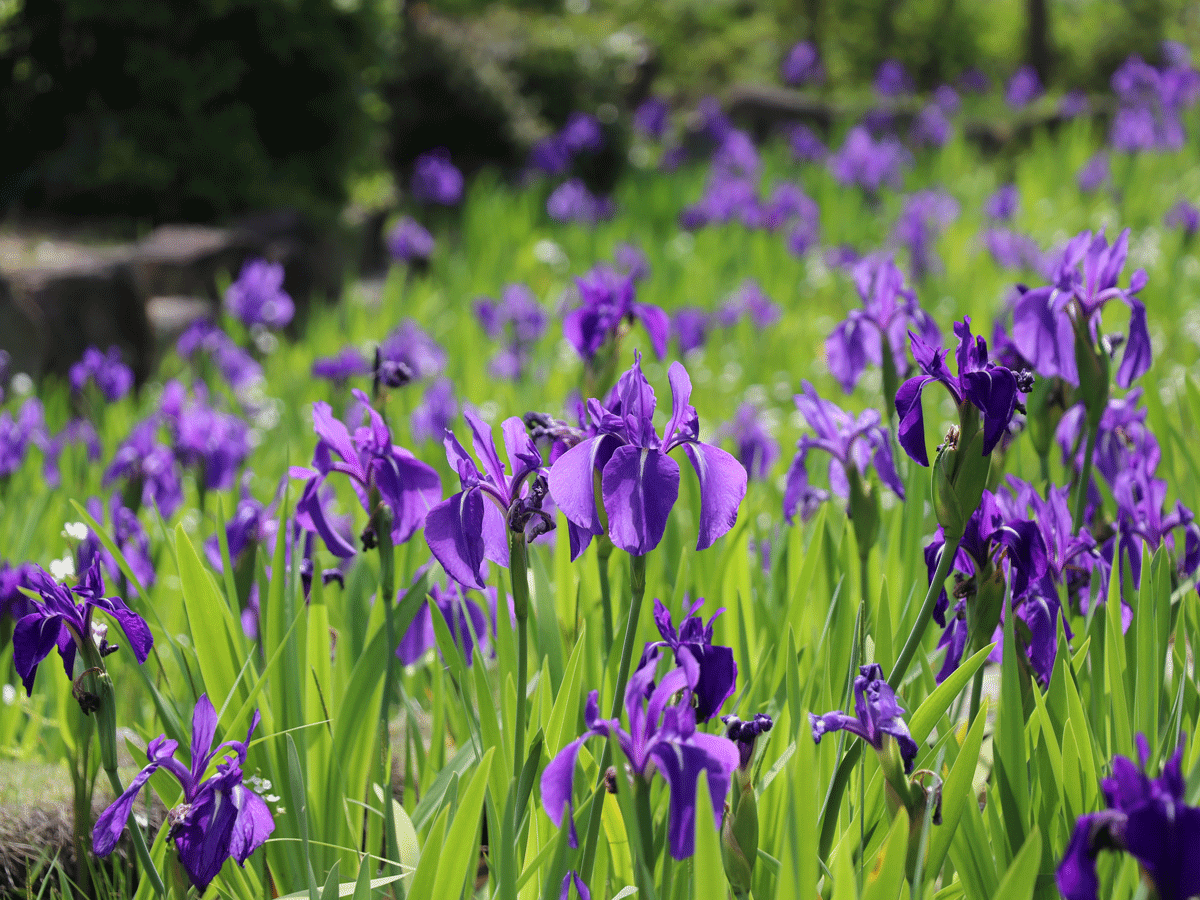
(136, 113)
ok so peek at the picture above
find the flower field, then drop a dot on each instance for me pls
(810, 516)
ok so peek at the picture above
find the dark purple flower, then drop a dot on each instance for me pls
(1002, 205)
(1184, 216)
(111, 376)
(868, 163)
(802, 66)
(550, 155)
(127, 532)
(805, 145)
(1046, 319)
(408, 353)
(606, 303)
(409, 241)
(661, 739)
(889, 310)
(1023, 88)
(435, 413)
(378, 471)
(218, 818)
(717, 671)
(435, 179)
(651, 118)
(1123, 441)
(250, 526)
(855, 444)
(258, 297)
(78, 432)
(891, 79)
(1141, 519)
(689, 327)
(746, 734)
(990, 388)
(876, 719)
(16, 434)
(581, 889)
(14, 604)
(1094, 174)
(339, 369)
(1150, 819)
(757, 450)
(148, 468)
(463, 531)
(62, 622)
(214, 442)
(639, 481)
(236, 366)
(466, 619)
(975, 81)
(571, 201)
(714, 124)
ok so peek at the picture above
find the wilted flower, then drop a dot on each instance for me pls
(218, 818)
(877, 716)
(661, 739)
(1148, 818)
(435, 179)
(111, 376)
(258, 297)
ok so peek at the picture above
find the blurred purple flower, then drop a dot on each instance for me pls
(1094, 174)
(1012, 250)
(409, 241)
(931, 127)
(690, 326)
(77, 431)
(859, 444)
(974, 81)
(435, 413)
(1023, 88)
(748, 301)
(550, 155)
(258, 297)
(14, 604)
(947, 100)
(582, 133)
(148, 468)
(127, 533)
(519, 320)
(868, 163)
(891, 79)
(17, 434)
(435, 179)
(757, 450)
(236, 366)
(1074, 104)
(1003, 204)
(1184, 216)
(349, 363)
(409, 353)
(111, 376)
(214, 442)
(923, 218)
(630, 260)
(802, 66)
(606, 304)
(805, 145)
(571, 201)
(651, 118)
(468, 623)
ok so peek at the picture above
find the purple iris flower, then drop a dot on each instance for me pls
(435, 413)
(891, 79)
(802, 66)
(1148, 818)
(1141, 500)
(582, 133)
(463, 531)
(148, 468)
(1046, 319)
(250, 526)
(236, 366)
(63, 621)
(466, 619)
(737, 155)
(550, 155)
(410, 241)
(571, 201)
(992, 389)
(1184, 216)
(661, 739)
(639, 481)
(1023, 88)
(652, 117)
(373, 464)
(857, 444)
(218, 818)
(746, 735)
(717, 670)
(258, 297)
(690, 326)
(1123, 441)
(111, 376)
(924, 216)
(1151, 103)
(757, 450)
(805, 145)
(868, 163)
(631, 260)
(581, 889)
(517, 318)
(975, 81)
(13, 603)
(1002, 205)
(16, 434)
(214, 442)
(128, 534)
(1094, 174)
(435, 179)
(749, 301)
(78, 432)
(714, 124)
(339, 369)
(877, 716)
(606, 303)
(889, 310)
(947, 99)
(931, 127)
(789, 205)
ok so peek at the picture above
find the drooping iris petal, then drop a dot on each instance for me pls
(723, 483)
(454, 531)
(640, 487)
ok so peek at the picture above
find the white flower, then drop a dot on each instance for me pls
(64, 568)
(75, 530)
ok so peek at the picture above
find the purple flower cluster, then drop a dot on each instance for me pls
(571, 201)
(520, 321)
(436, 180)
(868, 163)
(1151, 105)
(107, 371)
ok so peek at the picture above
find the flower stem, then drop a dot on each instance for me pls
(518, 569)
(637, 585)
(382, 521)
(949, 550)
(603, 552)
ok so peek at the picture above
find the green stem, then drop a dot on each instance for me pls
(1085, 477)
(949, 550)
(976, 693)
(518, 569)
(382, 522)
(139, 839)
(637, 585)
(603, 552)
